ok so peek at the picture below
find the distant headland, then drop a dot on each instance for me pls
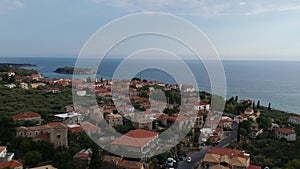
(78, 71)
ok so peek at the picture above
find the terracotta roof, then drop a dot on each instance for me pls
(254, 167)
(76, 129)
(87, 126)
(202, 103)
(249, 110)
(135, 138)
(54, 124)
(285, 130)
(239, 161)
(2, 148)
(295, 117)
(225, 121)
(226, 151)
(218, 167)
(213, 158)
(10, 164)
(26, 115)
(130, 164)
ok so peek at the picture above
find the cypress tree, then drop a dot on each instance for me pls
(258, 104)
(269, 106)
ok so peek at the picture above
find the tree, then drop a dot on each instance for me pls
(243, 132)
(33, 158)
(246, 125)
(293, 164)
(96, 159)
(236, 98)
(253, 105)
(269, 106)
(264, 122)
(7, 129)
(258, 104)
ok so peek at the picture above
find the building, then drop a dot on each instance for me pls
(69, 118)
(13, 164)
(289, 135)
(126, 164)
(90, 128)
(255, 130)
(114, 119)
(36, 85)
(4, 155)
(234, 159)
(248, 114)
(53, 90)
(24, 85)
(82, 158)
(54, 132)
(44, 167)
(28, 116)
(136, 141)
(294, 119)
(202, 106)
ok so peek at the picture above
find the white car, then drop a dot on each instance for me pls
(189, 159)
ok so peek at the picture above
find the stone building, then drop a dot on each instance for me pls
(54, 132)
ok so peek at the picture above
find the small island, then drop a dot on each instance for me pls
(78, 71)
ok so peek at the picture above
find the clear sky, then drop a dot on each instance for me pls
(251, 30)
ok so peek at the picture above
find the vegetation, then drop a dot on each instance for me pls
(72, 70)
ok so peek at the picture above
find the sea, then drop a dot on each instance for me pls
(275, 82)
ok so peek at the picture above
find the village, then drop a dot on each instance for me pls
(140, 114)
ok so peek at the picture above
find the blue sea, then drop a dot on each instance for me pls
(276, 82)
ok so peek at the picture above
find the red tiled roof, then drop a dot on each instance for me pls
(295, 117)
(87, 126)
(249, 110)
(76, 129)
(135, 138)
(225, 121)
(254, 167)
(2, 148)
(226, 151)
(26, 115)
(10, 164)
(54, 124)
(130, 164)
(285, 130)
(202, 103)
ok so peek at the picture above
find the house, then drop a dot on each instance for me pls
(54, 132)
(11, 85)
(90, 128)
(24, 85)
(13, 164)
(53, 90)
(28, 116)
(44, 167)
(4, 155)
(82, 158)
(225, 124)
(294, 119)
(289, 135)
(69, 118)
(248, 114)
(81, 92)
(202, 106)
(110, 162)
(127, 164)
(75, 128)
(36, 85)
(136, 141)
(225, 157)
(255, 130)
(114, 119)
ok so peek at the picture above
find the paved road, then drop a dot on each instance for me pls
(197, 156)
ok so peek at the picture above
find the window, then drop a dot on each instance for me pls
(58, 136)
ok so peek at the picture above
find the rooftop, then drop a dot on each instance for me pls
(135, 138)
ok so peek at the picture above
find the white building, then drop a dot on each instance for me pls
(289, 135)
(294, 119)
(4, 155)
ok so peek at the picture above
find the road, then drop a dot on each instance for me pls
(198, 156)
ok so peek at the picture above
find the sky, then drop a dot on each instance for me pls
(239, 30)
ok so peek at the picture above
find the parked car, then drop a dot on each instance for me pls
(189, 159)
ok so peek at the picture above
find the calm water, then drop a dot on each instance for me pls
(277, 82)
